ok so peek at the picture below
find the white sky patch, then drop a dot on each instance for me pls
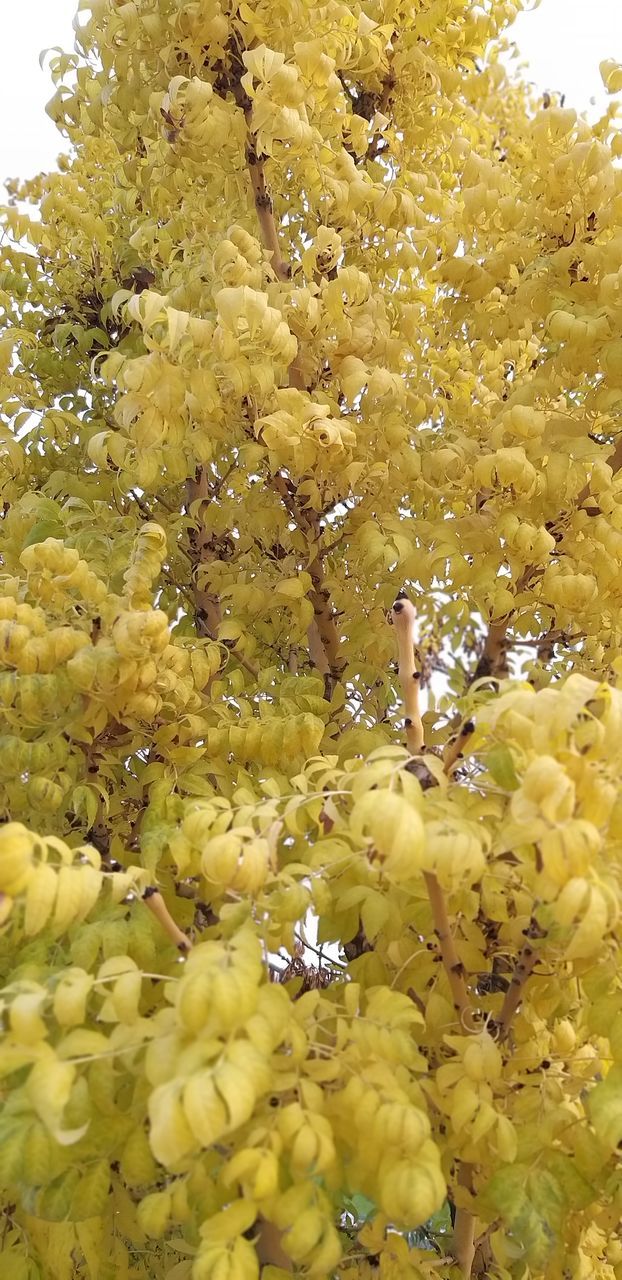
(563, 42)
(29, 141)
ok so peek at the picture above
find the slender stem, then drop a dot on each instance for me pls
(454, 749)
(338, 964)
(452, 963)
(403, 619)
(514, 993)
(153, 899)
(239, 657)
(463, 1242)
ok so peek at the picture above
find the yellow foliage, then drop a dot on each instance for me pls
(320, 309)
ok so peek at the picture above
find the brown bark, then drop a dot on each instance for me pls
(493, 660)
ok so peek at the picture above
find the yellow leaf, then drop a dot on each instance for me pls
(611, 74)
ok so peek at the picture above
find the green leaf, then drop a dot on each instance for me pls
(91, 1194)
(578, 1193)
(604, 1107)
(54, 1203)
(440, 1222)
(360, 1206)
(85, 802)
(533, 1206)
(41, 530)
(500, 764)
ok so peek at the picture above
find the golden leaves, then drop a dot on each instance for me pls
(611, 73)
(301, 434)
(393, 357)
(395, 827)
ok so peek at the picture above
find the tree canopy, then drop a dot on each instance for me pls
(310, 924)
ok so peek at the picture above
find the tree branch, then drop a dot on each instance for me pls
(514, 993)
(493, 660)
(269, 1248)
(454, 750)
(153, 899)
(615, 462)
(324, 643)
(452, 964)
(402, 617)
(264, 206)
(256, 170)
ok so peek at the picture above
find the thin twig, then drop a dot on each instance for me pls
(452, 963)
(514, 993)
(403, 617)
(153, 899)
(455, 747)
(339, 964)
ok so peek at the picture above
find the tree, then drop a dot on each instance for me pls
(319, 321)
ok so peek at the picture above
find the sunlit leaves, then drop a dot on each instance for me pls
(322, 304)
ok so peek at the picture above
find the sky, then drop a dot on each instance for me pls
(563, 41)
